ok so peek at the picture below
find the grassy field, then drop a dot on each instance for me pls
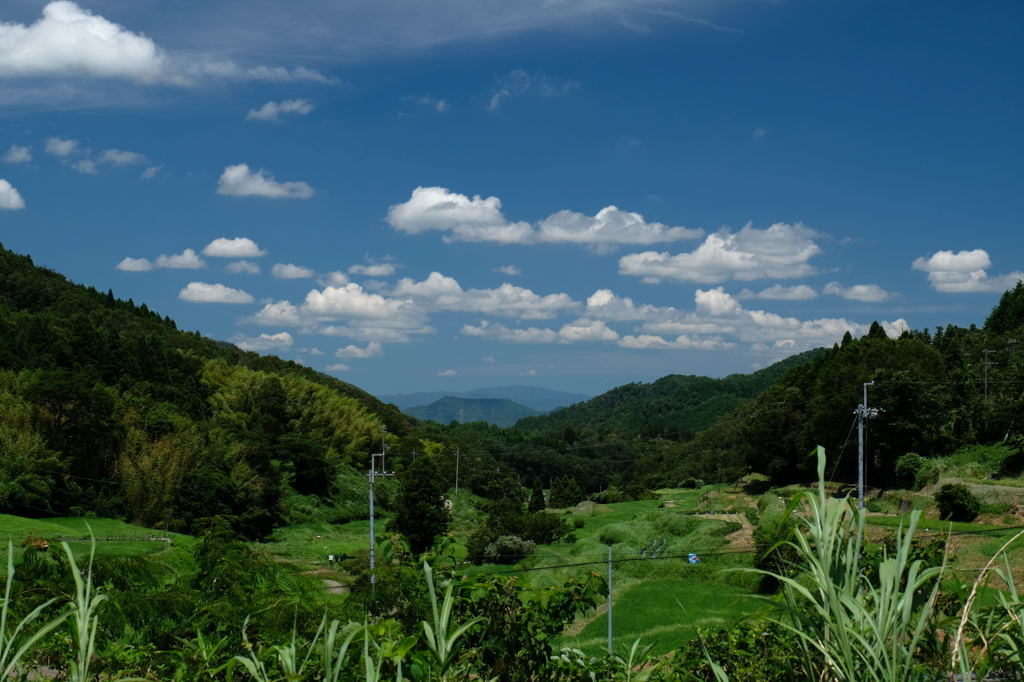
(113, 537)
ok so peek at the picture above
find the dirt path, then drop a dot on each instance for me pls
(741, 539)
(580, 625)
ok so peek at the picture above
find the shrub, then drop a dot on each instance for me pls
(543, 528)
(957, 503)
(508, 549)
(908, 470)
(692, 483)
(755, 484)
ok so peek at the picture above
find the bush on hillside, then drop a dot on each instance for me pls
(957, 503)
(907, 472)
(508, 549)
(692, 482)
(755, 484)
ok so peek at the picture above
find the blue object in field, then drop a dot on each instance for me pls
(694, 559)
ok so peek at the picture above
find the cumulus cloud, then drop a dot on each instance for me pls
(778, 252)
(681, 342)
(447, 373)
(510, 270)
(119, 157)
(280, 313)
(240, 181)
(609, 227)
(186, 260)
(18, 154)
(463, 218)
(86, 167)
(587, 330)
(867, 293)
(439, 292)
(351, 300)
(264, 342)
(336, 278)
(55, 146)
(238, 247)
(476, 219)
(373, 349)
(800, 292)
(499, 332)
(10, 199)
(378, 270)
(272, 111)
(290, 271)
(964, 272)
(68, 41)
(201, 292)
(243, 267)
(339, 367)
(135, 265)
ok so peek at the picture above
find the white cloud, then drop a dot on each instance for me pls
(18, 154)
(86, 167)
(289, 271)
(964, 272)
(378, 270)
(55, 146)
(681, 342)
(587, 330)
(510, 270)
(868, 293)
(604, 304)
(151, 172)
(10, 199)
(778, 252)
(351, 301)
(373, 349)
(272, 111)
(118, 157)
(465, 219)
(447, 373)
(135, 265)
(716, 302)
(238, 247)
(186, 260)
(281, 313)
(799, 292)
(311, 351)
(759, 133)
(69, 41)
(382, 331)
(439, 292)
(201, 292)
(264, 342)
(240, 181)
(336, 278)
(339, 367)
(476, 219)
(243, 267)
(609, 227)
(499, 332)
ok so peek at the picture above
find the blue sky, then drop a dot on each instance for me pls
(423, 196)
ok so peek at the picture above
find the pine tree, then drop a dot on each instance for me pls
(420, 514)
(1009, 314)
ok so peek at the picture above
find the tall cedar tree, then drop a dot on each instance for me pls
(420, 514)
(537, 502)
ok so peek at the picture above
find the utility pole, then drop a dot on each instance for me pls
(457, 452)
(987, 362)
(863, 413)
(609, 599)
(374, 473)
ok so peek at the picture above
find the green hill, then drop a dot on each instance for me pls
(491, 410)
(106, 407)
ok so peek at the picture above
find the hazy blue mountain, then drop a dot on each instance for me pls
(496, 411)
(534, 397)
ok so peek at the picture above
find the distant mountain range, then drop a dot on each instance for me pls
(496, 411)
(533, 397)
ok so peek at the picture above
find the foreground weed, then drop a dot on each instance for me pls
(18, 642)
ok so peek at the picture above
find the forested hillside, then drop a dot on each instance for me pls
(936, 392)
(106, 407)
(491, 410)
